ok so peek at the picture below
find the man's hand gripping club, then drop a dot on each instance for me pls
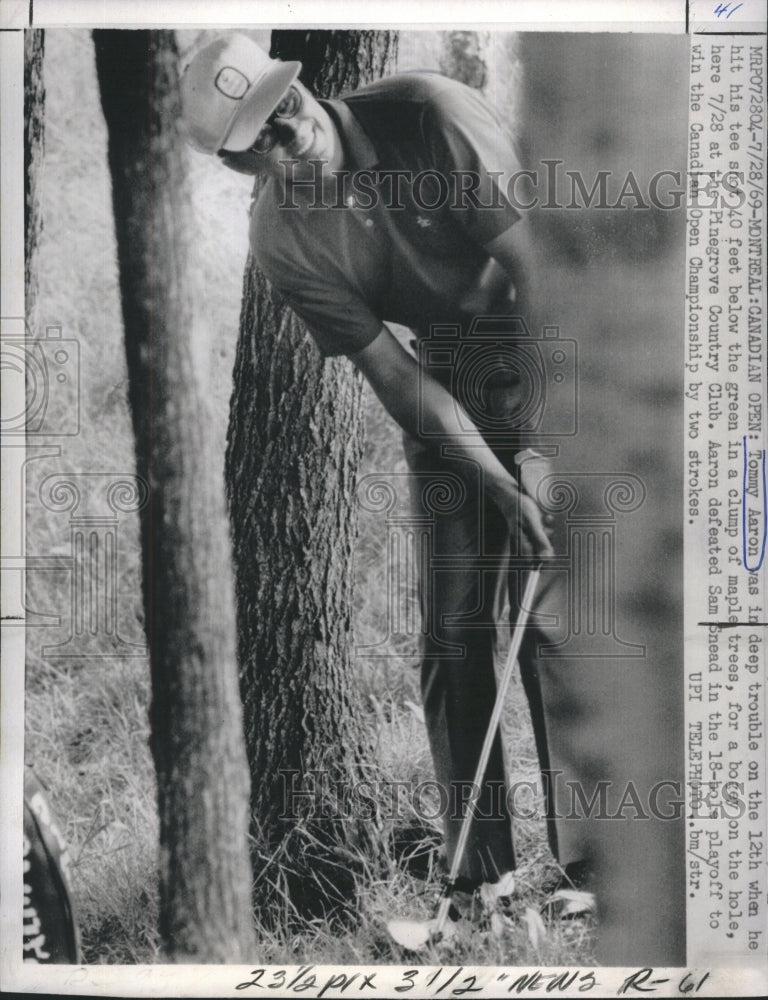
(416, 401)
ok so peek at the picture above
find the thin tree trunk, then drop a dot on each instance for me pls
(34, 123)
(203, 790)
(50, 933)
(295, 441)
(464, 57)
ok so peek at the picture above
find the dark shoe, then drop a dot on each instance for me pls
(485, 905)
(571, 896)
(567, 904)
(577, 875)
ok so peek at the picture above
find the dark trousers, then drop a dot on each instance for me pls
(467, 578)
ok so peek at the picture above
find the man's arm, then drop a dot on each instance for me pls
(511, 248)
(503, 280)
(407, 392)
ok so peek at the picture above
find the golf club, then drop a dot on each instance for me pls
(414, 934)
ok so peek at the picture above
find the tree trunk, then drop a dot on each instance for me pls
(197, 743)
(464, 57)
(295, 441)
(34, 122)
(50, 933)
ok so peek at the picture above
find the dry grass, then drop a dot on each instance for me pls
(87, 737)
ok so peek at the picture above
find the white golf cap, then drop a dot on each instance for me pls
(228, 90)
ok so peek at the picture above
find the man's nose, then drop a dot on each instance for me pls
(286, 128)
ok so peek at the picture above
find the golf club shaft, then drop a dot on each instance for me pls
(485, 753)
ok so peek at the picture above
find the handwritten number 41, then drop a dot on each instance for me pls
(726, 9)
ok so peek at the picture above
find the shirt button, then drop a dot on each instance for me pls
(369, 223)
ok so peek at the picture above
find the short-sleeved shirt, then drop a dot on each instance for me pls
(387, 246)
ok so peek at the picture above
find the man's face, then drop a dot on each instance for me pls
(306, 133)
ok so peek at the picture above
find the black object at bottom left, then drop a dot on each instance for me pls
(50, 929)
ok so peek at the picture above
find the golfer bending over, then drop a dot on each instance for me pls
(390, 204)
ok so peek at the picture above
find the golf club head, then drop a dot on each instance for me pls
(414, 935)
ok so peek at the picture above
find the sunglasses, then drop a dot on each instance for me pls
(288, 106)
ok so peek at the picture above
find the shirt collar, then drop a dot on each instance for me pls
(357, 145)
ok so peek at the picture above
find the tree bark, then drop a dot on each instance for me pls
(197, 743)
(464, 57)
(295, 441)
(34, 145)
